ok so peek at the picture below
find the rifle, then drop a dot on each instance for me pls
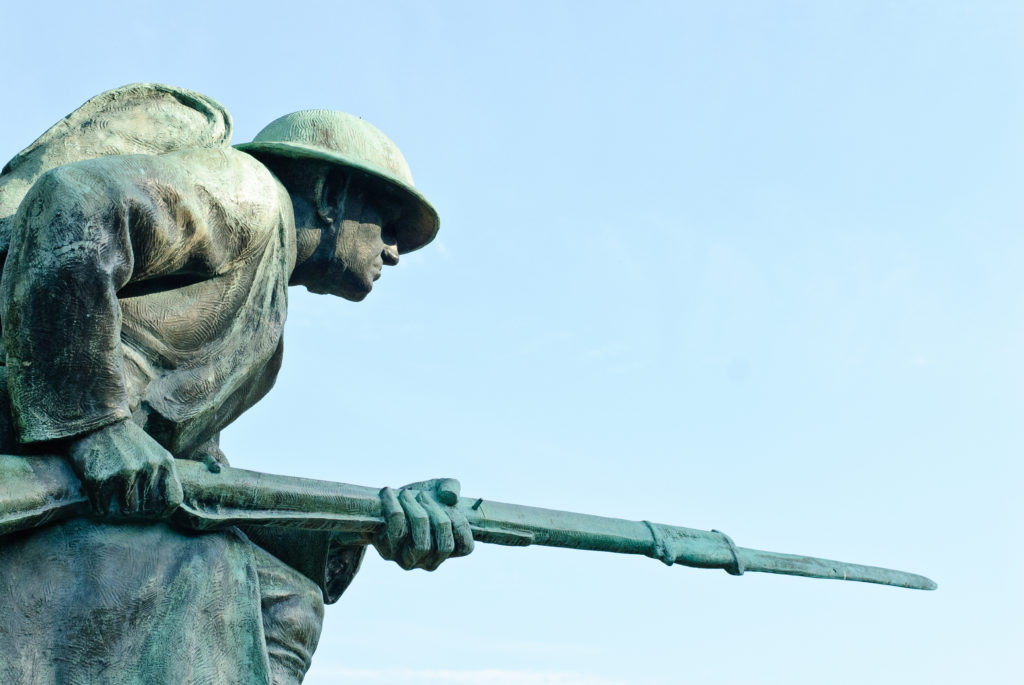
(35, 490)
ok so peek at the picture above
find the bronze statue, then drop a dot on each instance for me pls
(142, 302)
(143, 297)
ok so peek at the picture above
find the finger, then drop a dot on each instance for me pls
(150, 504)
(448, 490)
(462, 532)
(156, 501)
(130, 506)
(174, 494)
(166, 495)
(430, 485)
(418, 546)
(104, 497)
(395, 527)
(154, 504)
(406, 558)
(441, 526)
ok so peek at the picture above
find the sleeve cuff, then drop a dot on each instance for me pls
(42, 429)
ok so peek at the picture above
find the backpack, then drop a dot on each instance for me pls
(141, 118)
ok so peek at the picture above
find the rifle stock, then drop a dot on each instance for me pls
(35, 490)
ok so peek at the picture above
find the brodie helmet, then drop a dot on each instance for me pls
(347, 140)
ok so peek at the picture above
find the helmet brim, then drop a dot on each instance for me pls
(418, 222)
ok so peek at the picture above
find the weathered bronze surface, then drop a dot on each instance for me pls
(143, 296)
(144, 291)
(47, 490)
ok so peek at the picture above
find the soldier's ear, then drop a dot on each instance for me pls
(324, 210)
(330, 193)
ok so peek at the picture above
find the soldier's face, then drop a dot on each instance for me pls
(356, 247)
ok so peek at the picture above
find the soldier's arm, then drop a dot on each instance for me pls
(70, 254)
(83, 233)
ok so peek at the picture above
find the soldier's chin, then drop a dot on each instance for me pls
(355, 297)
(350, 291)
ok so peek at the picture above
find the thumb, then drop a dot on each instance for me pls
(445, 489)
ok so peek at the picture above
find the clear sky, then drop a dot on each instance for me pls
(752, 266)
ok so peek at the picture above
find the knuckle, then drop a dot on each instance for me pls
(170, 501)
(94, 465)
(396, 533)
(388, 499)
(463, 547)
(420, 518)
(175, 499)
(93, 482)
(395, 536)
(408, 559)
(126, 472)
(421, 542)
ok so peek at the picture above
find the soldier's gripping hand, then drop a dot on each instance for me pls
(422, 528)
(126, 473)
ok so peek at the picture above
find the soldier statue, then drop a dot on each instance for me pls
(143, 298)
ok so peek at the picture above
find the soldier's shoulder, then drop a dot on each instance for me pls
(225, 173)
(224, 160)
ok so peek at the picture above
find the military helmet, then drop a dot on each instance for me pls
(348, 141)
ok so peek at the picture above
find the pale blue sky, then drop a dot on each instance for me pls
(749, 266)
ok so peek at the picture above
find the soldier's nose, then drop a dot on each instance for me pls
(390, 254)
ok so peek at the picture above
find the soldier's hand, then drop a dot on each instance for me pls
(422, 527)
(126, 473)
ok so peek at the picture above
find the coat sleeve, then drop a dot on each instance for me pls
(84, 232)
